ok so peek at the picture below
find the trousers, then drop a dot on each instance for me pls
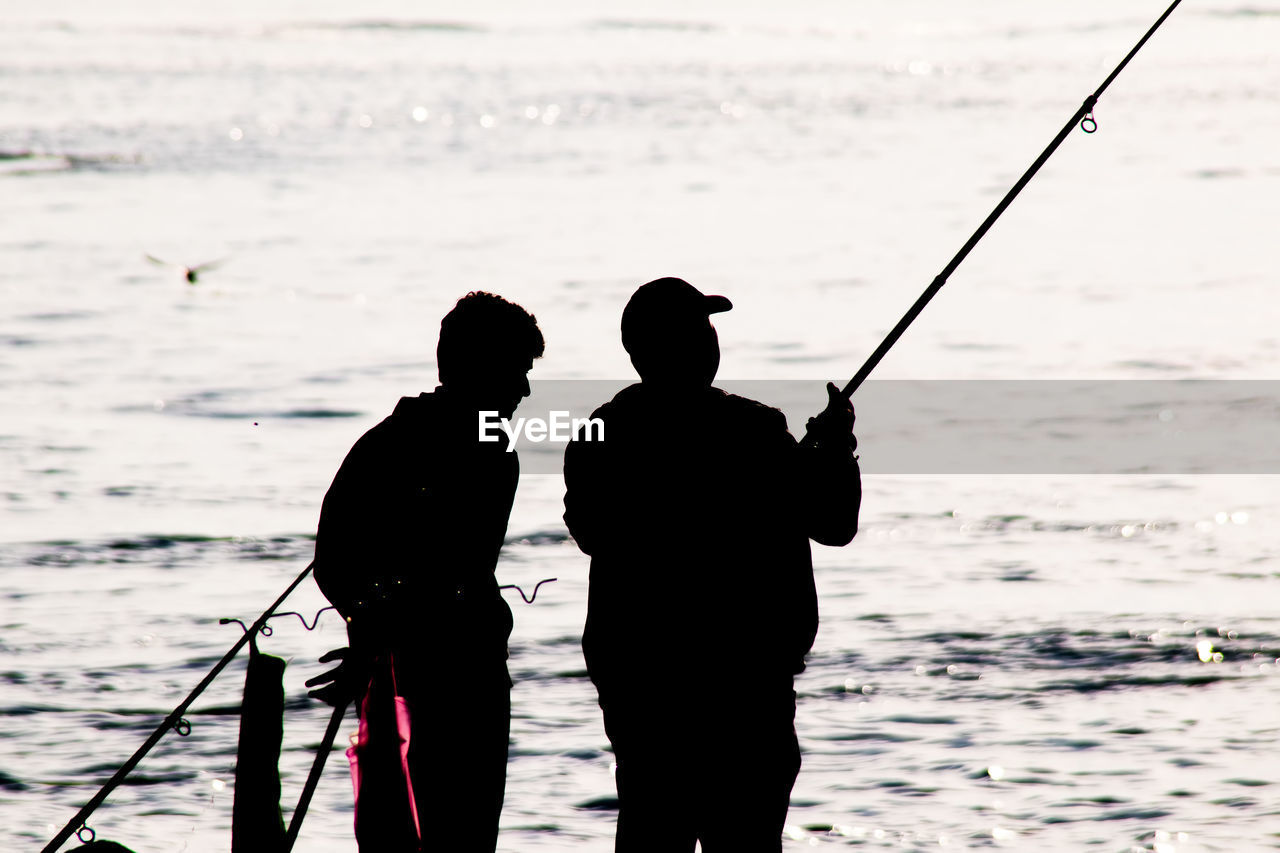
(443, 790)
(697, 768)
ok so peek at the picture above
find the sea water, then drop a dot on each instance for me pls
(1032, 660)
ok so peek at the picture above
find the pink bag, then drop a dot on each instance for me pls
(381, 691)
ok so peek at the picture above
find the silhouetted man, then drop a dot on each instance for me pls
(697, 509)
(408, 540)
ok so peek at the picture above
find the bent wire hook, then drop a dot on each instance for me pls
(528, 599)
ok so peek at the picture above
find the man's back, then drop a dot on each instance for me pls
(700, 558)
(411, 528)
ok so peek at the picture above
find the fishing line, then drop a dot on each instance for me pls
(1085, 119)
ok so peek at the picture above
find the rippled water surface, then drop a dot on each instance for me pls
(1024, 661)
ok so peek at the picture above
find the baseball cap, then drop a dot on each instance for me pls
(665, 303)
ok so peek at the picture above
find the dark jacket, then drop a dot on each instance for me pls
(410, 532)
(697, 513)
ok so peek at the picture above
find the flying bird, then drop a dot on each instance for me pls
(192, 274)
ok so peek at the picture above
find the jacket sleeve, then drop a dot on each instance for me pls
(822, 480)
(344, 566)
(831, 492)
(583, 514)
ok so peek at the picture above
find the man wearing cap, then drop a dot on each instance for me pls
(697, 510)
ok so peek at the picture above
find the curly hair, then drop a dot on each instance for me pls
(483, 331)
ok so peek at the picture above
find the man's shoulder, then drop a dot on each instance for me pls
(751, 412)
(409, 417)
(635, 400)
(629, 399)
(417, 406)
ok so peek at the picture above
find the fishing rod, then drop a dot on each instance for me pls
(1083, 117)
(173, 721)
(317, 766)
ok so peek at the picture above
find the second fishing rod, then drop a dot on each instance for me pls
(1082, 117)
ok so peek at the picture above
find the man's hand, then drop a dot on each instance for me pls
(342, 682)
(833, 426)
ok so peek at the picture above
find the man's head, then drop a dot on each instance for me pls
(667, 331)
(487, 347)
